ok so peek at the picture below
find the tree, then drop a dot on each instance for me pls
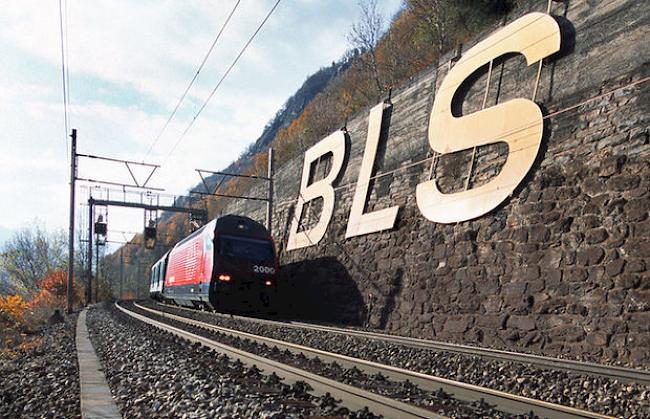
(364, 36)
(30, 254)
(56, 283)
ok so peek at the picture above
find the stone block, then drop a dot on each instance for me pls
(525, 323)
(610, 166)
(551, 277)
(615, 267)
(627, 281)
(526, 273)
(623, 182)
(492, 304)
(535, 286)
(595, 236)
(638, 340)
(637, 300)
(637, 209)
(550, 305)
(639, 248)
(575, 274)
(457, 325)
(635, 266)
(567, 333)
(538, 234)
(590, 256)
(598, 339)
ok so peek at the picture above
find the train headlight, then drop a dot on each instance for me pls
(268, 283)
(224, 277)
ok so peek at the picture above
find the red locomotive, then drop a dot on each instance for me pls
(230, 263)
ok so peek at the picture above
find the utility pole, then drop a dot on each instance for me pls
(121, 273)
(269, 203)
(73, 176)
(137, 280)
(97, 270)
(89, 272)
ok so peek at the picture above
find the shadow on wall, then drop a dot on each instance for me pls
(322, 290)
(389, 305)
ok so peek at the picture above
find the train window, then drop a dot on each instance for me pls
(240, 247)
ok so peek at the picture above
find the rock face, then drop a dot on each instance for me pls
(561, 267)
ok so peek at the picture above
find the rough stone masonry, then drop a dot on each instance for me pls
(561, 267)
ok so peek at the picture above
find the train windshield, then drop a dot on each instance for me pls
(240, 247)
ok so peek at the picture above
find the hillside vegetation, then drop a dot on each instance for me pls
(378, 60)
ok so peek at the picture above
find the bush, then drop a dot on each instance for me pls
(12, 310)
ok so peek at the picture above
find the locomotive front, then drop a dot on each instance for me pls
(245, 266)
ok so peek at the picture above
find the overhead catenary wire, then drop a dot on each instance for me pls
(223, 77)
(64, 75)
(196, 75)
(568, 108)
(299, 219)
(436, 156)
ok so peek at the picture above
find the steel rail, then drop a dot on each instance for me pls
(613, 372)
(351, 397)
(504, 401)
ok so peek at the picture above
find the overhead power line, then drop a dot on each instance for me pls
(64, 73)
(189, 86)
(221, 80)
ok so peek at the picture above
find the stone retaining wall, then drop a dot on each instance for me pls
(562, 267)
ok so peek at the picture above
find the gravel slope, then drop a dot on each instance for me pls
(43, 381)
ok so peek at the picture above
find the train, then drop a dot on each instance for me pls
(229, 264)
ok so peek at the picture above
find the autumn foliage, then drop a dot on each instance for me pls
(55, 283)
(16, 312)
(12, 310)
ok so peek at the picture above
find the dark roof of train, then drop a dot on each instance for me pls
(237, 224)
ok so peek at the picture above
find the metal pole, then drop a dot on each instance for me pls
(121, 273)
(96, 270)
(89, 272)
(73, 175)
(137, 281)
(269, 203)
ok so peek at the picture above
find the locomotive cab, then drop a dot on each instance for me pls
(245, 265)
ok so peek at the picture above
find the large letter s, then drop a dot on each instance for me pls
(517, 122)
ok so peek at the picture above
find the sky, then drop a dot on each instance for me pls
(128, 63)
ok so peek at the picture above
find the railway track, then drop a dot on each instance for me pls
(630, 375)
(503, 401)
(351, 397)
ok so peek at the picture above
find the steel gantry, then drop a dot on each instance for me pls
(197, 213)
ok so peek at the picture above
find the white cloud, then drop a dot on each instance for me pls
(129, 62)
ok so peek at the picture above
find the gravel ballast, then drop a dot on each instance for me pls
(438, 402)
(152, 373)
(593, 393)
(42, 380)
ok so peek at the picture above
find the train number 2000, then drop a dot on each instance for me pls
(263, 269)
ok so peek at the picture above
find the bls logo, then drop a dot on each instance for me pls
(517, 122)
